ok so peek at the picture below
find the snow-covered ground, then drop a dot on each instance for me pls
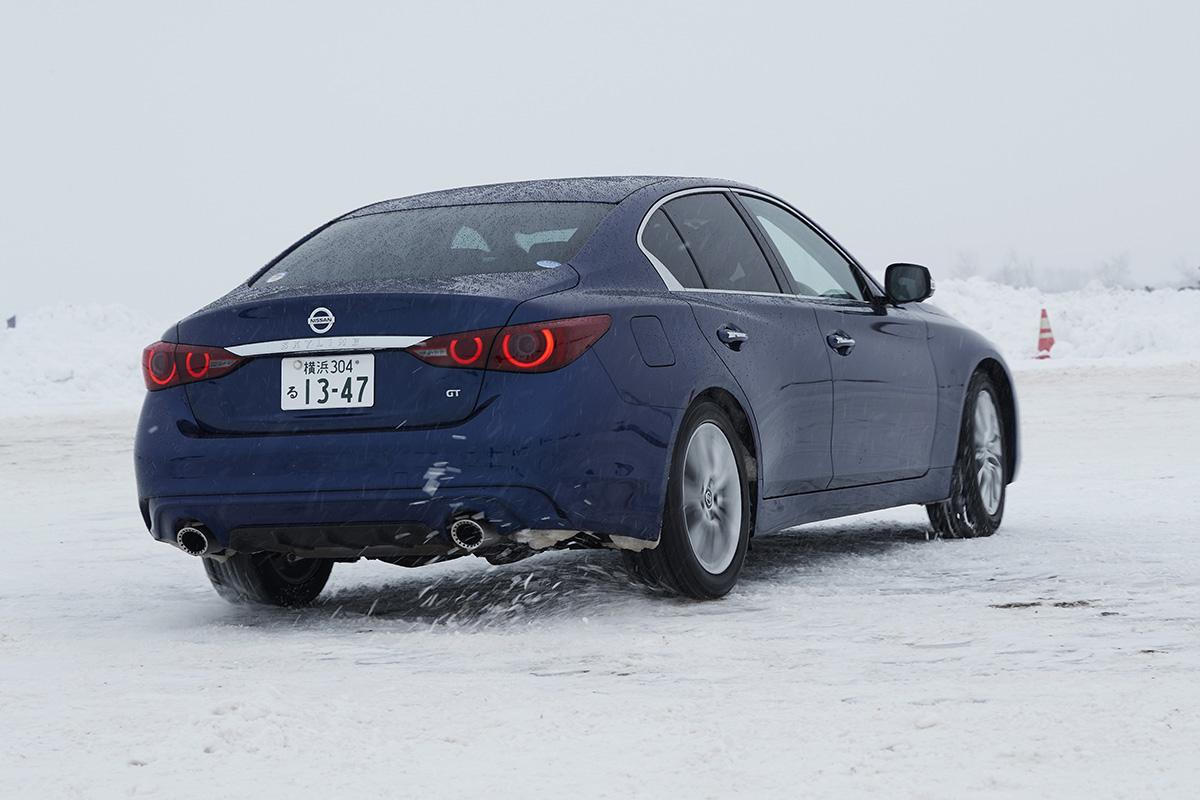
(1060, 658)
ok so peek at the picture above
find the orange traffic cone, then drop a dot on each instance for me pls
(1045, 337)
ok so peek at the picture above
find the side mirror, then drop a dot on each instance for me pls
(907, 283)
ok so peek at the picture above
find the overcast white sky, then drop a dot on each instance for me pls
(156, 154)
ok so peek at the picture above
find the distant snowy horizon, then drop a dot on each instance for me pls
(83, 356)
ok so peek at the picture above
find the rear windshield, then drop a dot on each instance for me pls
(441, 242)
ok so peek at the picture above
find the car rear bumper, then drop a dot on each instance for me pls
(542, 453)
(376, 523)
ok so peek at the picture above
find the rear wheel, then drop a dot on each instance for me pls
(269, 579)
(977, 488)
(706, 523)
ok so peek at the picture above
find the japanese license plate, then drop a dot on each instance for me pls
(341, 381)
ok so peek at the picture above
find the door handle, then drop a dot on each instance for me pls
(841, 342)
(731, 337)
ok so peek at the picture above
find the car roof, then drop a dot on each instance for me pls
(602, 189)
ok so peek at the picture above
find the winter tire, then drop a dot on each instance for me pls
(269, 579)
(706, 523)
(977, 487)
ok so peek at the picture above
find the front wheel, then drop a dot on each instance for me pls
(977, 492)
(269, 579)
(706, 523)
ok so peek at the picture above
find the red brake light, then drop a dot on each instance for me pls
(468, 349)
(532, 347)
(476, 351)
(528, 350)
(166, 364)
(202, 371)
(158, 366)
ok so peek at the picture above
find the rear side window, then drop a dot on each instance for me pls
(662, 240)
(723, 248)
(441, 242)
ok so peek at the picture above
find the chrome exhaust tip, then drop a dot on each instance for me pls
(193, 541)
(467, 534)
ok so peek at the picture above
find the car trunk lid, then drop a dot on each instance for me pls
(310, 327)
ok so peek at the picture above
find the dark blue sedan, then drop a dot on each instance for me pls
(662, 366)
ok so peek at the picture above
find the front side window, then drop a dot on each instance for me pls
(816, 267)
(444, 242)
(725, 252)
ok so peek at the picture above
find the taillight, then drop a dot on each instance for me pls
(532, 347)
(546, 346)
(166, 364)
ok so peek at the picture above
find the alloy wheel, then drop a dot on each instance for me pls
(712, 498)
(989, 452)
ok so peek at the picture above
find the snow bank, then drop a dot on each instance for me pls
(1025, 272)
(73, 356)
(1096, 322)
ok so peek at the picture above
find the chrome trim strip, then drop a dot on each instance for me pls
(788, 295)
(325, 345)
(824, 301)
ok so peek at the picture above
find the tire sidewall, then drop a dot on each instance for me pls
(292, 593)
